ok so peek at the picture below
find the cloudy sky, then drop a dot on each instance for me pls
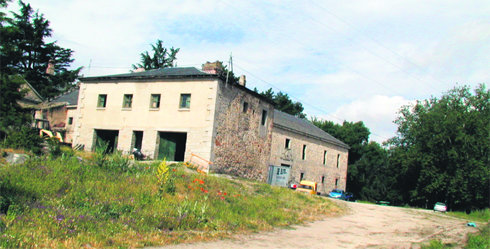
(344, 60)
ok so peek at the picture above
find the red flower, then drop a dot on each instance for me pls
(224, 193)
(222, 197)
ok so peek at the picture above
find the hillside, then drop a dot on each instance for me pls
(110, 201)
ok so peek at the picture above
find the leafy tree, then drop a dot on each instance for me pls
(441, 151)
(161, 58)
(25, 52)
(284, 103)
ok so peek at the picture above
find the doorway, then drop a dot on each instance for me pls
(171, 146)
(106, 138)
(137, 140)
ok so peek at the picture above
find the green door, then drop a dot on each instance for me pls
(167, 146)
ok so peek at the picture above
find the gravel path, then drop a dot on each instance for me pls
(365, 226)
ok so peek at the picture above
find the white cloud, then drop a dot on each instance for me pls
(377, 112)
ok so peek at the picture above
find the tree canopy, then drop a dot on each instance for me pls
(24, 51)
(441, 151)
(24, 55)
(284, 103)
(161, 58)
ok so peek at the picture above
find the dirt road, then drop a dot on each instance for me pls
(365, 226)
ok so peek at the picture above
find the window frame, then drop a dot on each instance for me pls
(287, 144)
(264, 118)
(101, 105)
(187, 103)
(127, 101)
(152, 100)
(70, 120)
(245, 107)
(324, 157)
(303, 154)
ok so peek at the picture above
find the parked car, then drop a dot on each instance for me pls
(307, 187)
(337, 194)
(441, 207)
(348, 196)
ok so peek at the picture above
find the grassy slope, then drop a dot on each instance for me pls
(66, 203)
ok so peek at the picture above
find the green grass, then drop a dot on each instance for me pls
(479, 240)
(478, 215)
(108, 202)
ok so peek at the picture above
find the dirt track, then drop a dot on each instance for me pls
(365, 226)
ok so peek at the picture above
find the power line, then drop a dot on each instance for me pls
(299, 100)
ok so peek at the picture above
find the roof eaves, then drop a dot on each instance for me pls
(339, 143)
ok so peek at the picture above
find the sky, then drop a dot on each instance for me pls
(343, 60)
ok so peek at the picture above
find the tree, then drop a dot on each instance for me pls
(24, 52)
(284, 103)
(162, 57)
(366, 160)
(441, 150)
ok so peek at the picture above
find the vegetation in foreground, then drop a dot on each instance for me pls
(480, 240)
(109, 201)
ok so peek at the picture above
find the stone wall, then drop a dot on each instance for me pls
(241, 144)
(312, 167)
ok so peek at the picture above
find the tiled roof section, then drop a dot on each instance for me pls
(71, 98)
(304, 127)
(170, 72)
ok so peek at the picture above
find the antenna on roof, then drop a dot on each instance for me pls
(230, 65)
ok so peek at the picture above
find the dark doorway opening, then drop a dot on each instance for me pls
(171, 146)
(137, 140)
(106, 138)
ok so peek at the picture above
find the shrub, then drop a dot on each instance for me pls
(24, 138)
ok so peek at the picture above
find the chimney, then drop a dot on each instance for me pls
(212, 67)
(243, 80)
(50, 69)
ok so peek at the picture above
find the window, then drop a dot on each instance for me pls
(301, 176)
(70, 120)
(338, 159)
(155, 101)
(288, 143)
(303, 156)
(324, 157)
(127, 100)
(102, 100)
(245, 107)
(323, 179)
(336, 182)
(264, 117)
(185, 101)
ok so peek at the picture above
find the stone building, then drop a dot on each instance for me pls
(302, 151)
(58, 114)
(178, 113)
(185, 113)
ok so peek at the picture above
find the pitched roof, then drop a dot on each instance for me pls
(162, 73)
(71, 98)
(304, 127)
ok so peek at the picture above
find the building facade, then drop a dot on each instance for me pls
(181, 113)
(302, 151)
(175, 113)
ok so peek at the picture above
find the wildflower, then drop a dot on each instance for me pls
(174, 170)
(201, 182)
(222, 197)
(60, 217)
(224, 193)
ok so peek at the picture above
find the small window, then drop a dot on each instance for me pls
(127, 100)
(336, 182)
(338, 160)
(301, 176)
(70, 120)
(323, 179)
(288, 143)
(102, 100)
(245, 107)
(185, 101)
(264, 117)
(155, 101)
(324, 157)
(303, 156)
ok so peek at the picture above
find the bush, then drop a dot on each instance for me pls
(24, 138)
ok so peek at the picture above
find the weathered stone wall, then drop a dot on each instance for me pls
(241, 144)
(312, 167)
